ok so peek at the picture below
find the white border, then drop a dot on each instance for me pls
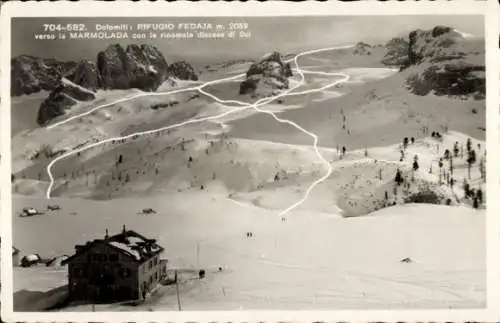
(124, 9)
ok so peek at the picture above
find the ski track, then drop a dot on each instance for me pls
(242, 106)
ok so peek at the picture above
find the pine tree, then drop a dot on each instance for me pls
(456, 150)
(447, 154)
(469, 144)
(482, 169)
(440, 169)
(471, 159)
(415, 164)
(466, 188)
(120, 159)
(405, 142)
(343, 150)
(412, 140)
(475, 203)
(399, 177)
(479, 195)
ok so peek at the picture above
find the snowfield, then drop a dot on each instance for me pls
(213, 182)
(316, 259)
(312, 261)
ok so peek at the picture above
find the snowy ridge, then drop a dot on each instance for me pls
(65, 81)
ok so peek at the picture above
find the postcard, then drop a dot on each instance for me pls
(250, 162)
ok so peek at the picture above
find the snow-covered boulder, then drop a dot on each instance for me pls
(30, 260)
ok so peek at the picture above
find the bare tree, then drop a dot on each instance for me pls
(471, 159)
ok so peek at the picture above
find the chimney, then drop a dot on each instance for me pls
(124, 229)
(106, 235)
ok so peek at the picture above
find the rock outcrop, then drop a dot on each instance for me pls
(459, 79)
(396, 52)
(86, 75)
(439, 44)
(266, 76)
(362, 48)
(142, 67)
(31, 74)
(440, 61)
(63, 97)
(183, 71)
(435, 45)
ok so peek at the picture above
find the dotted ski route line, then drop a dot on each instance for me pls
(242, 106)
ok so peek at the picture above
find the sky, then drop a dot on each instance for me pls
(284, 34)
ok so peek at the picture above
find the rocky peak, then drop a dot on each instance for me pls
(182, 70)
(440, 61)
(440, 30)
(61, 98)
(111, 67)
(438, 44)
(142, 67)
(31, 74)
(267, 75)
(396, 52)
(86, 75)
(362, 48)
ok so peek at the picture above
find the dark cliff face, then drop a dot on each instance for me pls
(142, 67)
(31, 74)
(271, 73)
(362, 48)
(110, 64)
(86, 75)
(63, 97)
(182, 70)
(396, 52)
(439, 61)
